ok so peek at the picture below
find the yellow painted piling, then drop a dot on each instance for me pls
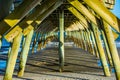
(94, 44)
(82, 38)
(24, 53)
(101, 50)
(104, 13)
(110, 18)
(13, 57)
(61, 41)
(113, 49)
(90, 43)
(107, 49)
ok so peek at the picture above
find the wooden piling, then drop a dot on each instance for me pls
(24, 53)
(107, 49)
(94, 44)
(61, 40)
(101, 50)
(113, 49)
(13, 57)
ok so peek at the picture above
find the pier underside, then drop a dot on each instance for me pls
(28, 26)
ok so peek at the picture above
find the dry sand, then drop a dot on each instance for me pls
(79, 65)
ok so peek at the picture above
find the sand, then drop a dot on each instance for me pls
(79, 65)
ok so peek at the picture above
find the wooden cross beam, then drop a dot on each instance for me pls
(17, 15)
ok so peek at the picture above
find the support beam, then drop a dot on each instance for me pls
(24, 54)
(103, 12)
(113, 49)
(78, 15)
(89, 42)
(85, 12)
(107, 49)
(94, 44)
(36, 21)
(13, 57)
(17, 15)
(83, 41)
(35, 42)
(101, 50)
(61, 40)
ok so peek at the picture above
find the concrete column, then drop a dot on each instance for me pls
(101, 50)
(24, 53)
(61, 40)
(13, 57)
(113, 49)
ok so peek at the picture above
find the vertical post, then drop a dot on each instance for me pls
(94, 44)
(34, 42)
(90, 43)
(107, 49)
(13, 57)
(101, 50)
(44, 43)
(61, 40)
(81, 39)
(84, 39)
(113, 49)
(39, 44)
(24, 53)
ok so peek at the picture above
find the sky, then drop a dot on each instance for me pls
(116, 9)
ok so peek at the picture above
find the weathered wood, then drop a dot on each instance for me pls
(48, 12)
(107, 49)
(94, 44)
(113, 49)
(101, 10)
(78, 15)
(85, 12)
(100, 50)
(61, 41)
(24, 53)
(13, 57)
(82, 38)
(19, 13)
(29, 20)
(90, 43)
(40, 18)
